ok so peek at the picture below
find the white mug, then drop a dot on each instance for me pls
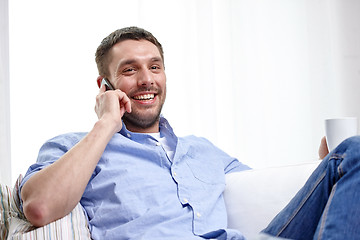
(338, 129)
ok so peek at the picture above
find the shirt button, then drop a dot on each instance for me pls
(129, 135)
(174, 173)
(198, 214)
(185, 200)
(158, 144)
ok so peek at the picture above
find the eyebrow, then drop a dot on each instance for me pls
(156, 59)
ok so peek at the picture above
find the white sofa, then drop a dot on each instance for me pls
(252, 199)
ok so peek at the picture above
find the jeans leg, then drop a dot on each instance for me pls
(341, 216)
(329, 202)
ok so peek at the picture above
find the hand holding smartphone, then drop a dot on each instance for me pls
(125, 105)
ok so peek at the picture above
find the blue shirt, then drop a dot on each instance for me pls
(138, 192)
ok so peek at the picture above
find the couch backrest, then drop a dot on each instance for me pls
(254, 197)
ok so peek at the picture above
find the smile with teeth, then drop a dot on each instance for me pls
(149, 96)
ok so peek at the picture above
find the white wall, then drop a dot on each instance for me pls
(5, 163)
(256, 77)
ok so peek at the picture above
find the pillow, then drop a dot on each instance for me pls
(15, 204)
(5, 196)
(72, 226)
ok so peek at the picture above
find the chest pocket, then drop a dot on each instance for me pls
(207, 170)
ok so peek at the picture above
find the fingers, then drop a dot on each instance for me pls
(115, 102)
(323, 149)
(125, 104)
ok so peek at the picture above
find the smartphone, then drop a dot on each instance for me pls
(107, 84)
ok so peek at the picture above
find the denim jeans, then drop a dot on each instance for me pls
(328, 206)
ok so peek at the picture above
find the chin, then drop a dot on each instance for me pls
(140, 121)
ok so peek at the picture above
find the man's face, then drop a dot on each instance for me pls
(137, 69)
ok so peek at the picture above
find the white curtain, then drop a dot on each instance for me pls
(5, 162)
(256, 77)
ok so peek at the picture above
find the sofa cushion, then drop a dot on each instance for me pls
(254, 197)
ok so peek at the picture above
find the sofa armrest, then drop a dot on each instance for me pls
(254, 197)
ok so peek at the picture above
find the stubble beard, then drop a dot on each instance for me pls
(140, 121)
(137, 120)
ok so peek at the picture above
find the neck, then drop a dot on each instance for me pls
(138, 129)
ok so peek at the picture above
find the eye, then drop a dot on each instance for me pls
(128, 71)
(155, 67)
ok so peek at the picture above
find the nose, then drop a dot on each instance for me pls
(145, 78)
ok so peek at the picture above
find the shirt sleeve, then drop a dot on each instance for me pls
(51, 151)
(235, 166)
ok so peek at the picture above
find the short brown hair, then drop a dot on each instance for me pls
(132, 33)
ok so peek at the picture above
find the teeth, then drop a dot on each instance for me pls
(144, 97)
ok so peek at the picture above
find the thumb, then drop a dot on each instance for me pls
(323, 149)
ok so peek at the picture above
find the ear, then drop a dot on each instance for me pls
(98, 80)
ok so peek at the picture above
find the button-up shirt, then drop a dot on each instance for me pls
(138, 191)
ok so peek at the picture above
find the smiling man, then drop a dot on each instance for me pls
(133, 176)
